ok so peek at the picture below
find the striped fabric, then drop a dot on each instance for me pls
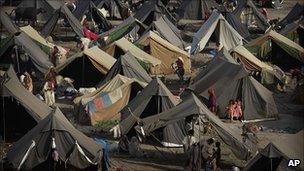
(103, 101)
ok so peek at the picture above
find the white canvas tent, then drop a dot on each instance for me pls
(228, 37)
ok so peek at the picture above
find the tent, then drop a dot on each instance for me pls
(165, 52)
(291, 145)
(7, 23)
(295, 14)
(278, 49)
(153, 99)
(225, 34)
(295, 32)
(48, 5)
(168, 31)
(267, 159)
(106, 102)
(151, 11)
(92, 14)
(116, 9)
(241, 28)
(19, 103)
(234, 83)
(63, 11)
(87, 67)
(123, 46)
(196, 9)
(34, 150)
(38, 57)
(252, 63)
(129, 26)
(128, 66)
(47, 47)
(193, 106)
(284, 146)
(248, 13)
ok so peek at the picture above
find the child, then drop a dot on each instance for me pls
(238, 109)
(230, 109)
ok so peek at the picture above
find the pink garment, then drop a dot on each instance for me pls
(55, 156)
(90, 35)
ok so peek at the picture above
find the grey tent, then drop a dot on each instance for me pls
(48, 5)
(21, 109)
(128, 66)
(92, 12)
(7, 23)
(237, 25)
(267, 159)
(52, 22)
(196, 9)
(294, 31)
(116, 8)
(295, 14)
(129, 26)
(277, 49)
(241, 13)
(216, 24)
(168, 31)
(38, 57)
(234, 83)
(153, 99)
(193, 106)
(11, 87)
(152, 10)
(35, 148)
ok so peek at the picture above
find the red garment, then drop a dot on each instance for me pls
(90, 35)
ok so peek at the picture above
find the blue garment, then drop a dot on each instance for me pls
(106, 156)
(213, 52)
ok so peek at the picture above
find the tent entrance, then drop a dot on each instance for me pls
(83, 72)
(15, 120)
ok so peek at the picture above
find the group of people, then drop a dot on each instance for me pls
(234, 110)
(201, 155)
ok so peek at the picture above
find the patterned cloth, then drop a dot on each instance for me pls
(103, 101)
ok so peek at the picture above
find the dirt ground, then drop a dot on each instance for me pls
(160, 158)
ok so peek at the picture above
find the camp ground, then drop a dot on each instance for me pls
(151, 85)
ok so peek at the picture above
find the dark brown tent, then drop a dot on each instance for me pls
(35, 148)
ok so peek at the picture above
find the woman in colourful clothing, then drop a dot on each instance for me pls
(88, 33)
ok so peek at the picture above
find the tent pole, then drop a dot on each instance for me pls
(199, 142)
(3, 112)
(271, 164)
(17, 58)
(82, 73)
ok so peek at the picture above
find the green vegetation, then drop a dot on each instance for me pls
(106, 124)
